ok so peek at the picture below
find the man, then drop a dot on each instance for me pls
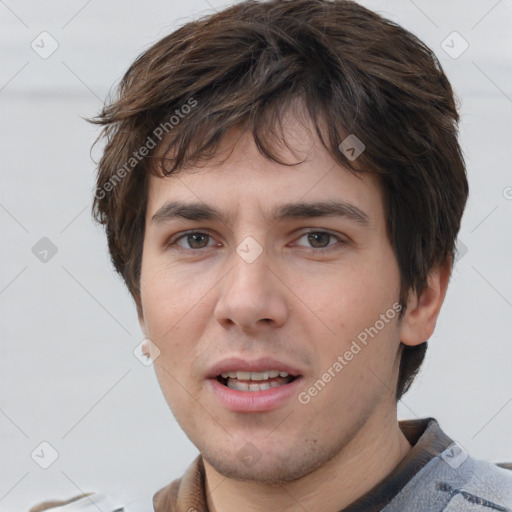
(282, 188)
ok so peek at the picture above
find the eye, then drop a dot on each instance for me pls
(322, 241)
(193, 240)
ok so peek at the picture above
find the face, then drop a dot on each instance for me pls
(275, 316)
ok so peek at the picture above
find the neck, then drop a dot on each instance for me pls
(367, 459)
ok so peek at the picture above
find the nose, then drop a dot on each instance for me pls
(252, 297)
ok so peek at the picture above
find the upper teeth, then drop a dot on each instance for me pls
(268, 374)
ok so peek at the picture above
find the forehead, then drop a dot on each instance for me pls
(240, 179)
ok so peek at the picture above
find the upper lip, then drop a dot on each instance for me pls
(233, 364)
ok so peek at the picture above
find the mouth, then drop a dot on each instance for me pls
(255, 381)
(245, 385)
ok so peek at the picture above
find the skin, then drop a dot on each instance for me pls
(202, 302)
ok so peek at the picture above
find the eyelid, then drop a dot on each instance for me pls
(183, 234)
(340, 238)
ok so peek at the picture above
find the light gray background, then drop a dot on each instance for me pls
(68, 327)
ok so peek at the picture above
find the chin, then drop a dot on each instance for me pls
(250, 465)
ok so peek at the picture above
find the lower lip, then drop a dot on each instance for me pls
(254, 401)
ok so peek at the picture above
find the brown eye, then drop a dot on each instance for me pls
(321, 242)
(197, 240)
(193, 240)
(319, 239)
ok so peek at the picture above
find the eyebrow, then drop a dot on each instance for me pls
(301, 210)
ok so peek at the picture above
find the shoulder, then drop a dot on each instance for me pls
(92, 502)
(493, 477)
(54, 503)
(483, 485)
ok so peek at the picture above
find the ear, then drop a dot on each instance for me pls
(422, 310)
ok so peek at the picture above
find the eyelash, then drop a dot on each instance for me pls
(311, 250)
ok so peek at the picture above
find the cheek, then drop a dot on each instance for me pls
(357, 312)
(167, 305)
(352, 299)
(167, 291)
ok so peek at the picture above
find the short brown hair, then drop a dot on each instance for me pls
(355, 73)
